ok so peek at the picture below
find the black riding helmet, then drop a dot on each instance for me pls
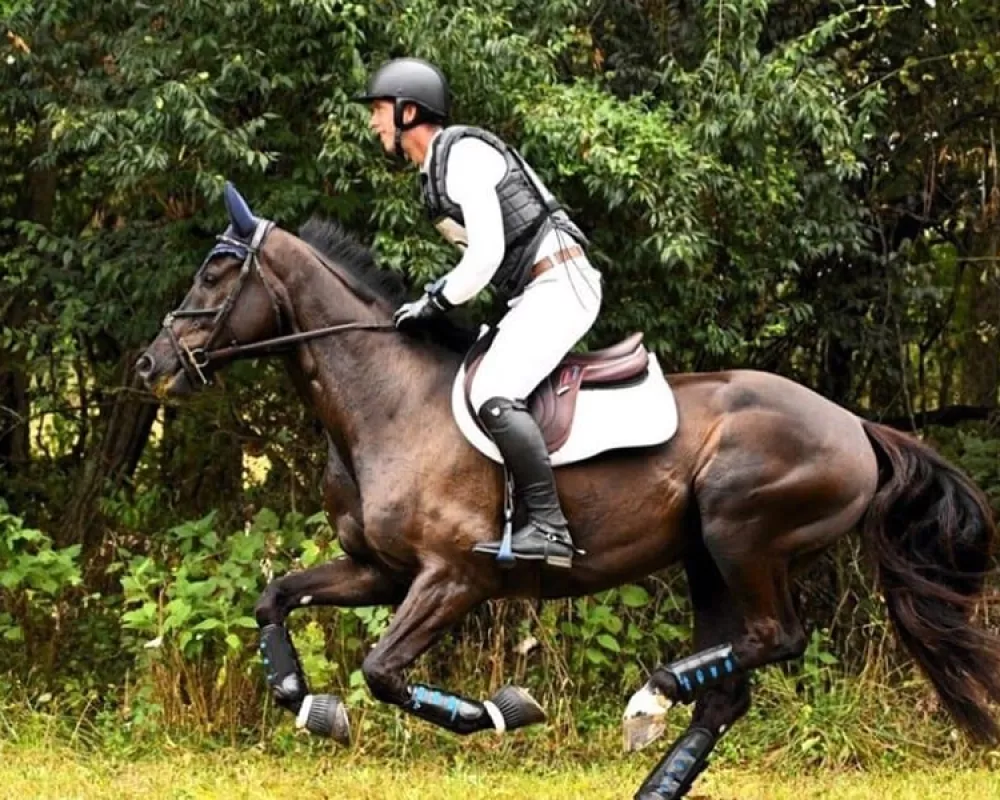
(410, 80)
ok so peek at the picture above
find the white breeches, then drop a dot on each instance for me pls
(544, 322)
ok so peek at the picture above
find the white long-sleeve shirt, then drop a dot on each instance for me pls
(473, 172)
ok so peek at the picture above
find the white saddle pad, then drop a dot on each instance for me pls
(608, 418)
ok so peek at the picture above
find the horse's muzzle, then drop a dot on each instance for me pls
(145, 366)
(162, 372)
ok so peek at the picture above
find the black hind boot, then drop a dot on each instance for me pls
(673, 776)
(546, 536)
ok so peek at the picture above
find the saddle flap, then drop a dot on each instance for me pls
(553, 404)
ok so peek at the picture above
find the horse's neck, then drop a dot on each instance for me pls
(369, 388)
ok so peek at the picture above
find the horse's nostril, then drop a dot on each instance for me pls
(144, 365)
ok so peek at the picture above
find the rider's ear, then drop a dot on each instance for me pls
(409, 113)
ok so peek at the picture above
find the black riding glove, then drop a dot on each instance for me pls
(430, 304)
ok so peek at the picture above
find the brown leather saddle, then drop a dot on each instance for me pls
(553, 403)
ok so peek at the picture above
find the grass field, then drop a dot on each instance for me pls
(53, 772)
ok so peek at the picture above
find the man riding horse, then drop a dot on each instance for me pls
(761, 476)
(486, 199)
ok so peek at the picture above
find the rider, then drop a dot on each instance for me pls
(484, 198)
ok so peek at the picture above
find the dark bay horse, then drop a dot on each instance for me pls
(761, 475)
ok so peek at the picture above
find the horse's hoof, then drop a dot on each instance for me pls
(645, 718)
(325, 715)
(518, 708)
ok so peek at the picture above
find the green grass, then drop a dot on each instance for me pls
(44, 772)
(847, 743)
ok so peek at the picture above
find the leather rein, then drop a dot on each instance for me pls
(195, 361)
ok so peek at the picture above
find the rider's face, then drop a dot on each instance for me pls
(382, 123)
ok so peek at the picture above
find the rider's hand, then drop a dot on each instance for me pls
(430, 304)
(413, 312)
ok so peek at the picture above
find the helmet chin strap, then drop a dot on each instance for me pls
(401, 127)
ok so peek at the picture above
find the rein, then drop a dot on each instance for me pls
(197, 360)
(277, 344)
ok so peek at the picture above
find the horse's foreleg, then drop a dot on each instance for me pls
(436, 601)
(716, 619)
(342, 582)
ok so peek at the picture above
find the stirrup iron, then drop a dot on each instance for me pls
(505, 555)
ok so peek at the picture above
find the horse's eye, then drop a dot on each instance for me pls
(209, 279)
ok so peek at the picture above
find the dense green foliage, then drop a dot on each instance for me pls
(806, 187)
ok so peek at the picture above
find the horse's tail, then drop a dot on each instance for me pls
(932, 533)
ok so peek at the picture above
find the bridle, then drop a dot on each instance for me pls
(196, 361)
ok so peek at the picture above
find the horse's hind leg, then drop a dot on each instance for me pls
(342, 582)
(762, 507)
(716, 677)
(438, 599)
(717, 620)
(759, 591)
(757, 512)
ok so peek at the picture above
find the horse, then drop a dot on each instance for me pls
(761, 475)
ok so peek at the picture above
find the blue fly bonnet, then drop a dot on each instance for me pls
(242, 224)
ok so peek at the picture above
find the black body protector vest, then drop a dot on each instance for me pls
(528, 209)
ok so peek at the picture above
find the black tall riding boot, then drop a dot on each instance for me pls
(546, 536)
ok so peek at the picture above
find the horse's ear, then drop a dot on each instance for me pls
(240, 215)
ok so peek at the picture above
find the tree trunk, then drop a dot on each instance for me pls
(981, 339)
(837, 375)
(35, 203)
(14, 408)
(117, 444)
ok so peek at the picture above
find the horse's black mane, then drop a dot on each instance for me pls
(330, 238)
(384, 285)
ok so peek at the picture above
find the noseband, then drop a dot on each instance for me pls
(196, 361)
